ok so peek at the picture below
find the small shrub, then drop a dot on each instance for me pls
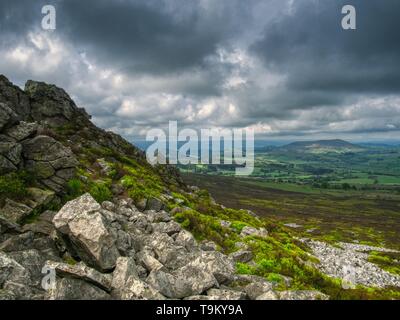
(100, 192)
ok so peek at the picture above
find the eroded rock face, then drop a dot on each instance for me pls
(82, 223)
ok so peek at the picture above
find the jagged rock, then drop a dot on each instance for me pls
(186, 240)
(303, 295)
(169, 228)
(51, 104)
(269, 295)
(8, 226)
(44, 148)
(82, 272)
(76, 289)
(148, 261)
(7, 116)
(258, 287)
(11, 151)
(242, 256)
(81, 221)
(32, 260)
(225, 294)
(6, 166)
(154, 204)
(250, 231)
(15, 212)
(161, 216)
(40, 197)
(108, 205)
(23, 130)
(136, 289)
(124, 243)
(169, 254)
(208, 246)
(14, 97)
(14, 277)
(42, 170)
(124, 269)
(184, 282)
(215, 263)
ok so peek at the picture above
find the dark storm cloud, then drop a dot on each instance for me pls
(284, 66)
(147, 36)
(317, 54)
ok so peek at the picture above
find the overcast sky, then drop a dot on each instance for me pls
(283, 67)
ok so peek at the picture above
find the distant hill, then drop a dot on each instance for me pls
(321, 146)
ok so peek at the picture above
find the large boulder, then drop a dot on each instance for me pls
(87, 230)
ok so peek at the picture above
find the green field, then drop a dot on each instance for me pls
(370, 217)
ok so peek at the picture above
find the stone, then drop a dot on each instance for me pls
(23, 130)
(6, 166)
(208, 246)
(215, 263)
(32, 260)
(169, 228)
(136, 289)
(257, 288)
(269, 295)
(187, 281)
(44, 148)
(251, 231)
(225, 294)
(148, 261)
(82, 272)
(154, 204)
(41, 169)
(108, 205)
(7, 116)
(76, 289)
(242, 256)
(303, 295)
(40, 197)
(81, 221)
(15, 212)
(186, 240)
(141, 204)
(124, 269)
(11, 151)
(14, 277)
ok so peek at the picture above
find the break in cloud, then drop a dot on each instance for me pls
(285, 68)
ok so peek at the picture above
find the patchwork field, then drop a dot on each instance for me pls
(370, 217)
